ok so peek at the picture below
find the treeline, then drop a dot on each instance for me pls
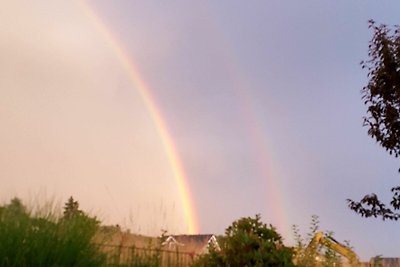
(71, 238)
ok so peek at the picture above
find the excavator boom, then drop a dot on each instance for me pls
(321, 239)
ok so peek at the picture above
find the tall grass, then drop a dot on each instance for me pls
(46, 239)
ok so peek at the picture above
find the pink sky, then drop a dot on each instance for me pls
(262, 101)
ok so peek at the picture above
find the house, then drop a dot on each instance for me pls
(197, 244)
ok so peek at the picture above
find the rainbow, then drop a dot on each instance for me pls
(145, 92)
(275, 203)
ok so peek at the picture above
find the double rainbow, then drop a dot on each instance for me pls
(259, 142)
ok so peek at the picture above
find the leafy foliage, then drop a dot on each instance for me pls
(304, 258)
(371, 206)
(382, 93)
(382, 96)
(249, 242)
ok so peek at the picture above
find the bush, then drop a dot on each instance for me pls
(249, 242)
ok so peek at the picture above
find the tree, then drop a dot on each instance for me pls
(382, 97)
(71, 208)
(249, 242)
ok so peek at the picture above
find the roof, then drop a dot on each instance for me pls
(191, 243)
(186, 239)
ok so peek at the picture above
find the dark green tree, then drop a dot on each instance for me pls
(71, 208)
(382, 97)
(249, 242)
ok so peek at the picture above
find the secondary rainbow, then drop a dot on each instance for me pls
(160, 125)
(263, 155)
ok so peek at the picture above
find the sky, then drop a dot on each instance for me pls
(258, 104)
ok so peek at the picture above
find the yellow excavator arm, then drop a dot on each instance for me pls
(321, 239)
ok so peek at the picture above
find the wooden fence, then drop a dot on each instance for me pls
(124, 256)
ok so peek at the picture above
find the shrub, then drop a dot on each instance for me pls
(249, 242)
